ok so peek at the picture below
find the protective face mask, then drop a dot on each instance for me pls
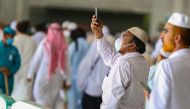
(10, 41)
(118, 43)
(164, 53)
(66, 33)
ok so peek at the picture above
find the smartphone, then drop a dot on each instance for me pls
(96, 12)
(145, 86)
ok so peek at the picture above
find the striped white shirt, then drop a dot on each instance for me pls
(121, 89)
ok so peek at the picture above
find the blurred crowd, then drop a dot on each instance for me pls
(58, 65)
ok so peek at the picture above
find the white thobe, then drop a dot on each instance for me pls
(121, 89)
(38, 37)
(46, 90)
(171, 84)
(26, 46)
(91, 73)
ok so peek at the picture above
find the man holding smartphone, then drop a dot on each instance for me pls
(121, 89)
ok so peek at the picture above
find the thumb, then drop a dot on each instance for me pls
(128, 45)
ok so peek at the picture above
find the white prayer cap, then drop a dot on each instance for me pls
(72, 26)
(65, 24)
(164, 53)
(139, 33)
(180, 20)
(13, 25)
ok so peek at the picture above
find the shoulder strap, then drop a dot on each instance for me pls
(96, 61)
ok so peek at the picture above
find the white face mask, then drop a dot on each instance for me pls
(66, 33)
(164, 53)
(118, 43)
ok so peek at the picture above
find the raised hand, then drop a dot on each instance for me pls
(96, 26)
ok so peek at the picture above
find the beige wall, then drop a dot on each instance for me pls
(163, 8)
(14, 9)
(110, 5)
(158, 9)
(7, 9)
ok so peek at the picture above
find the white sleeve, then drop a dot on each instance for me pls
(107, 52)
(119, 82)
(160, 95)
(35, 61)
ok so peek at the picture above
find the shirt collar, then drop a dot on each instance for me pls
(130, 55)
(184, 51)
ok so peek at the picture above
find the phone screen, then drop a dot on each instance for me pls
(96, 12)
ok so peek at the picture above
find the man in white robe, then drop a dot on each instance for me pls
(91, 73)
(171, 84)
(26, 46)
(51, 54)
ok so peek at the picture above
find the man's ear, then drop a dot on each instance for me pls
(178, 38)
(132, 46)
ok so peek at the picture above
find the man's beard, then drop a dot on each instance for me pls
(168, 47)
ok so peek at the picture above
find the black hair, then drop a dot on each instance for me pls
(23, 26)
(41, 27)
(77, 33)
(141, 48)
